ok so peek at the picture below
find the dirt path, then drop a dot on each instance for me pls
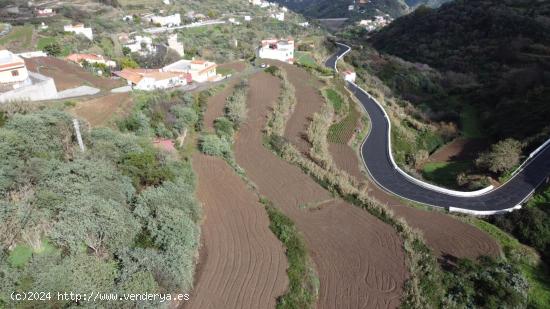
(359, 259)
(445, 235)
(243, 265)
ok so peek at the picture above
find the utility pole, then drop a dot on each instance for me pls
(78, 135)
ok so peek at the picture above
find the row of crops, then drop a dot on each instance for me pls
(342, 131)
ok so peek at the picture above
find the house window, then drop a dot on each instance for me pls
(14, 73)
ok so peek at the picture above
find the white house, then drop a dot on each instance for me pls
(175, 45)
(279, 16)
(350, 76)
(166, 21)
(247, 18)
(282, 50)
(199, 70)
(233, 21)
(259, 3)
(304, 24)
(378, 22)
(45, 12)
(33, 54)
(12, 69)
(141, 44)
(80, 29)
(148, 80)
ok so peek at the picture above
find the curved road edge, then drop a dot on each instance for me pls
(332, 62)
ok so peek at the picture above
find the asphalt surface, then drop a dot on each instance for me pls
(375, 154)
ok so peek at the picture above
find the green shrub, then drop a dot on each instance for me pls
(145, 168)
(503, 156)
(186, 116)
(486, 284)
(224, 127)
(235, 106)
(273, 70)
(213, 145)
(303, 286)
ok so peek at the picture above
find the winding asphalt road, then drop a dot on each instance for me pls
(378, 160)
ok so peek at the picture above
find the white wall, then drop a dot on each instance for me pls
(87, 32)
(7, 76)
(276, 54)
(44, 89)
(149, 84)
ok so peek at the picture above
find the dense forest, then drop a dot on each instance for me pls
(503, 45)
(120, 216)
(339, 8)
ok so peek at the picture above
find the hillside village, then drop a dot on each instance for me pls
(154, 36)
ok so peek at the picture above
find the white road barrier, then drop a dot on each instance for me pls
(430, 186)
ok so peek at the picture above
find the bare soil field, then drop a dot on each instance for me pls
(100, 111)
(445, 235)
(345, 158)
(216, 105)
(242, 264)
(359, 259)
(69, 75)
(238, 66)
(309, 101)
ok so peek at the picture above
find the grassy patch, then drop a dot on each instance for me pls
(20, 34)
(303, 284)
(342, 131)
(335, 100)
(527, 260)
(20, 255)
(304, 58)
(470, 123)
(224, 71)
(43, 42)
(444, 173)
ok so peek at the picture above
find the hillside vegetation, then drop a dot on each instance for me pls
(119, 217)
(504, 47)
(339, 8)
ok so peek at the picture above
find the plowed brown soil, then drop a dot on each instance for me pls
(238, 66)
(242, 265)
(216, 104)
(345, 158)
(69, 75)
(359, 259)
(445, 235)
(309, 101)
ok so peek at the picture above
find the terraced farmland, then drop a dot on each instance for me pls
(342, 131)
